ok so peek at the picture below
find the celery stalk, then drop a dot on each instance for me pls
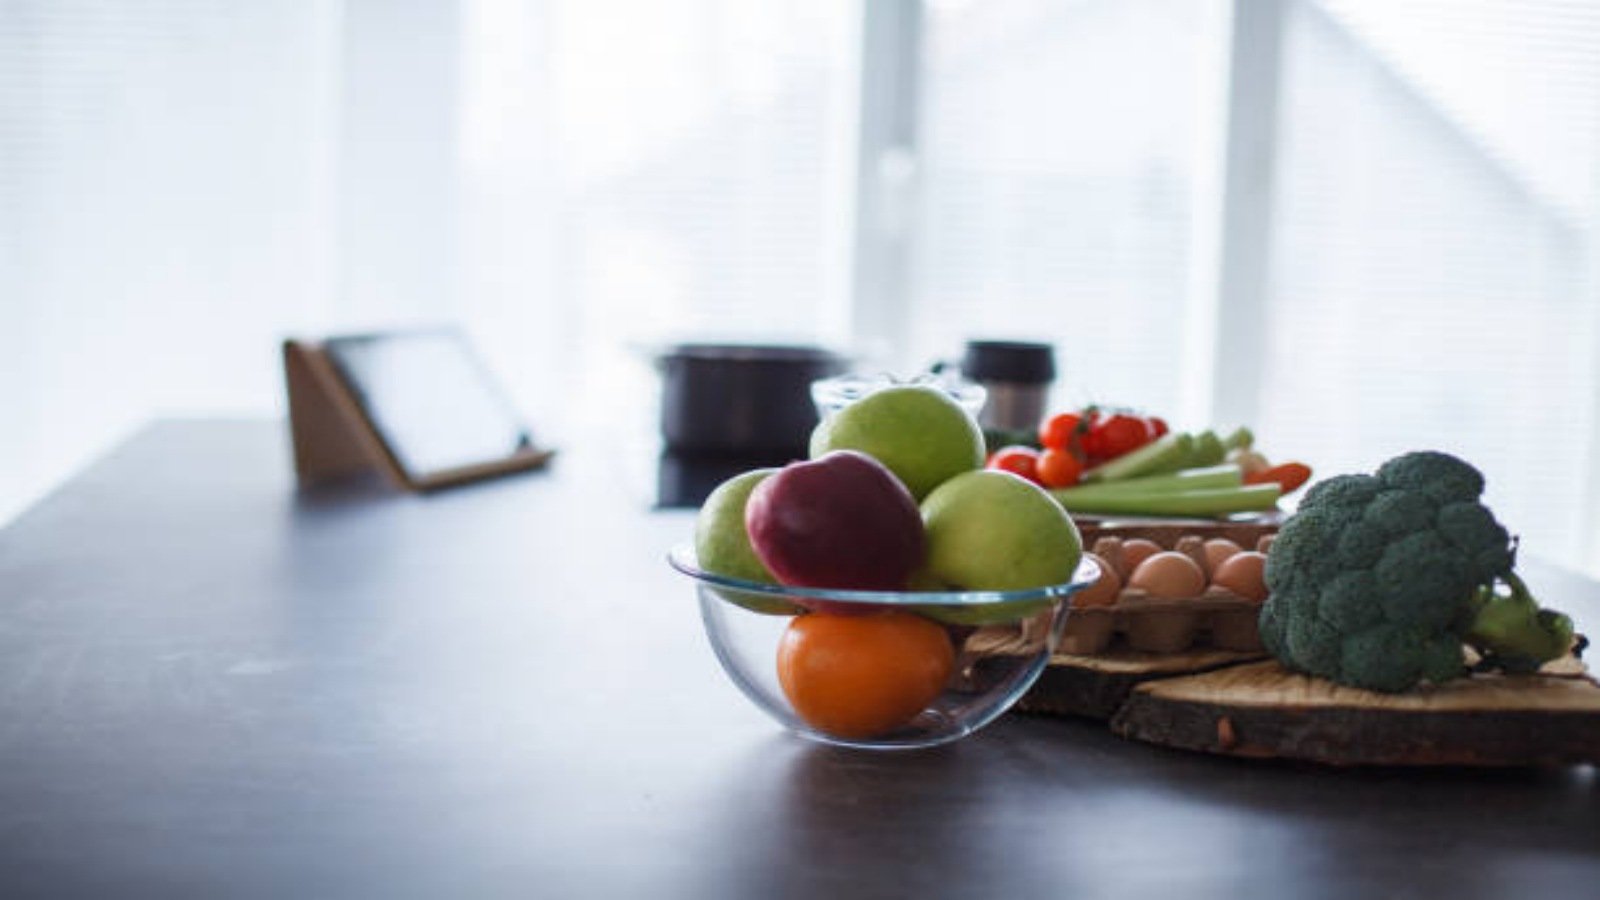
(1224, 476)
(1205, 502)
(1164, 454)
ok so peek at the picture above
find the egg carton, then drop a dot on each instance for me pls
(1217, 617)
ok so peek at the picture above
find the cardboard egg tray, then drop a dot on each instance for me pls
(1216, 618)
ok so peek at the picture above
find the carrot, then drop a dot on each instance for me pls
(1287, 476)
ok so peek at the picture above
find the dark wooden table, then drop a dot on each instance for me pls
(213, 685)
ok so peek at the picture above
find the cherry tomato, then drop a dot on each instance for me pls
(1057, 431)
(1059, 468)
(1158, 425)
(1115, 435)
(1021, 460)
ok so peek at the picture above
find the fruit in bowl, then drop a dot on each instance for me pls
(856, 616)
(873, 669)
(921, 433)
(842, 520)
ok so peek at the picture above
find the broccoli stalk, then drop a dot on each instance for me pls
(1511, 632)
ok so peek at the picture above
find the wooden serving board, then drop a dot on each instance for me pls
(1263, 710)
(1097, 686)
(1244, 704)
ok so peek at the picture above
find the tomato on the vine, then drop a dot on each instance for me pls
(1059, 468)
(1016, 459)
(1057, 432)
(1117, 434)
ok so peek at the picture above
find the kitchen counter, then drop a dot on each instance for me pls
(215, 684)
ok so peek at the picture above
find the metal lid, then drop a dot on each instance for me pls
(1015, 362)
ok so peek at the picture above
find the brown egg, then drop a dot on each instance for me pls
(1169, 575)
(1134, 552)
(1219, 549)
(1104, 590)
(1242, 573)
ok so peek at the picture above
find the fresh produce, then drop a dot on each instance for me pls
(1196, 503)
(1104, 590)
(721, 542)
(1168, 453)
(1064, 431)
(1017, 460)
(920, 432)
(1117, 434)
(1378, 580)
(1205, 478)
(1136, 551)
(862, 675)
(1169, 575)
(1243, 573)
(1057, 469)
(840, 521)
(993, 531)
(1218, 550)
(1094, 447)
(1287, 476)
(849, 518)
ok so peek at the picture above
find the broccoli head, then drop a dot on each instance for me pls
(1379, 581)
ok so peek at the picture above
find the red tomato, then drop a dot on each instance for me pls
(1158, 425)
(1020, 460)
(1057, 431)
(1115, 435)
(1059, 468)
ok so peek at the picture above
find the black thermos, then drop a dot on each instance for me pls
(1017, 376)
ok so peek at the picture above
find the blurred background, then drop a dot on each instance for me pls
(1357, 226)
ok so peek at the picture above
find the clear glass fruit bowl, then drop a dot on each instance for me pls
(881, 669)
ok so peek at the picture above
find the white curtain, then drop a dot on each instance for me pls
(1434, 248)
(184, 182)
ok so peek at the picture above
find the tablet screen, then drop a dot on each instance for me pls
(430, 399)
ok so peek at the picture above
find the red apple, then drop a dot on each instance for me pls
(842, 520)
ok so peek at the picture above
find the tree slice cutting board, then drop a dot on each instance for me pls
(1097, 686)
(1263, 710)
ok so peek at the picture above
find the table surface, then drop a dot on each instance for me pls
(212, 684)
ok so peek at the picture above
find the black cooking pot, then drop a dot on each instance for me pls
(741, 398)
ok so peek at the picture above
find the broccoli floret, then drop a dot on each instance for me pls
(1314, 644)
(1394, 657)
(1341, 491)
(1270, 625)
(1399, 511)
(1471, 528)
(1440, 476)
(1422, 581)
(1379, 580)
(1346, 601)
(1362, 545)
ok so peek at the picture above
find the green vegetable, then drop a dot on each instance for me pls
(1208, 450)
(1378, 580)
(1167, 453)
(1517, 635)
(1203, 502)
(1223, 476)
(1240, 438)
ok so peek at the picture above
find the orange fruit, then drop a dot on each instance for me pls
(858, 676)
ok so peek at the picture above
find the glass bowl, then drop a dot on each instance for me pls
(999, 642)
(833, 394)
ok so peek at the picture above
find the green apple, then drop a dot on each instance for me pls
(921, 433)
(722, 544)
(989, 530)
